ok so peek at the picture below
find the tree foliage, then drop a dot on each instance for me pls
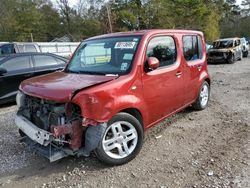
(46, 20)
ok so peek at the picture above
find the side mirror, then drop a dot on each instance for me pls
(2, 71)
(153, 63)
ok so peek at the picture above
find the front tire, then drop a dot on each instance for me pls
(122, 140)
(241, 56)
(231, 59)
(203, 98)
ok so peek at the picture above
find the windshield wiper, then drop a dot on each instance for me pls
(91, 73)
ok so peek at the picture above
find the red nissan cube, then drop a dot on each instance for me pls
(114, 88)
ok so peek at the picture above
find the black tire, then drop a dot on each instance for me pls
(245, 54)
(21, 133)
(231, 59)
(241, 56)
(198, 103)
(106, 158)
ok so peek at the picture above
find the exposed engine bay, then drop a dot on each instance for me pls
(55, 130)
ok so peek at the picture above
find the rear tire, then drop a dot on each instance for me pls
(122, 140)
(203, 97)
(245, 54)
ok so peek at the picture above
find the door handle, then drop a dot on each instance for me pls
(28, 75)
(178, 74)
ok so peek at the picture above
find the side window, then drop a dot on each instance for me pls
(235, 43)
(192, 47)
(44, 60)
(17, 63)
(164, 49)
(30, 48)
(238, 42)
(20, 47)
(7, 49)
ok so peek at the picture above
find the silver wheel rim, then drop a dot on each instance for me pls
(120, 140)
(204, 95)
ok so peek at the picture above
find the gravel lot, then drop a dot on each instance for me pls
(210, 148)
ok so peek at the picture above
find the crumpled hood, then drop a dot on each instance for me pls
(60, 86)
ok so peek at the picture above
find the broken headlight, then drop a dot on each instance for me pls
(20, 99)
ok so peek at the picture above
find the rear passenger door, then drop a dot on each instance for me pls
(18, 69)
(44, 64)
(195, 58)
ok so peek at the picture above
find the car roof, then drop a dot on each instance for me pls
(145, 32)
(30, 53)
(4, 56)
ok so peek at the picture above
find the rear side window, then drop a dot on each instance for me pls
(164, 49)
(17, 63)
(238, 42)
(44, 60)
(192, 47)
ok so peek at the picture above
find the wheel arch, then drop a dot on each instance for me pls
(208, 80)
(135, 113)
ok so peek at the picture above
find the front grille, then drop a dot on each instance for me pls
(216, 54)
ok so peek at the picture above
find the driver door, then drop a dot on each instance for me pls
(163, 87)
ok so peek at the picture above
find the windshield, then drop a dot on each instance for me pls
(223, 44)
(105, 56)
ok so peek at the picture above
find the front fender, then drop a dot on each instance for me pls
(102, 106)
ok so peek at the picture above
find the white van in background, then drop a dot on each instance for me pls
(65, 49)
(245, 46)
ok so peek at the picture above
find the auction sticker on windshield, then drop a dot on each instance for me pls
(125, 45)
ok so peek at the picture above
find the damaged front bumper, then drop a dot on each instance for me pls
(217, 59)
(43, 142)
(33, 132)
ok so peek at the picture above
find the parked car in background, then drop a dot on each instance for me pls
(225, 50)
(245, 47)
(65, 49)
(208, 46)
(114, 88)
(15, 68)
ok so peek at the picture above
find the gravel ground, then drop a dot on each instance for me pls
(210, 148)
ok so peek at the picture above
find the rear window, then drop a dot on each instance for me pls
(59, 61)
(44, 60)
(192, 47)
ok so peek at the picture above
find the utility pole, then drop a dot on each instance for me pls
(109, 18)
(31, 36)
